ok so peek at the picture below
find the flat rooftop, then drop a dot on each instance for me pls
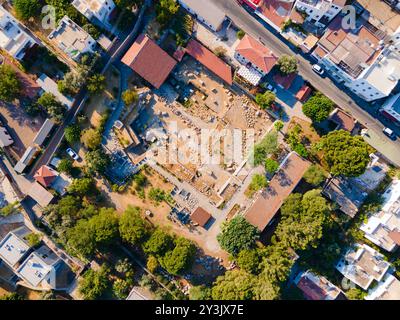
(13, 249)
(34, 269)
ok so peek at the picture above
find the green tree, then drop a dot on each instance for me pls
(287, 64)
(265, 100)
(121, 288)
(240, 34)
(10, 85)
(11, 296)
(33, 239)
(9, 209)
(130, 97)
(276, 263)
(132, 227)
(264, 289)
(26, 9)
(72, 133)
(237, 235)
(94, 283)
(123, 266)
(248, 260)
(303, 220)
(97, 160)
(105, 226)
(271, 166)
(152, 264)
(159, 243)
(81, 238)
(318, 107)
(356, 294)
(157, 195)
(345, 154)
(267, 146)
(91, 138)
(96, 83)
(83, 187)
(92, 30)
(180, 258)
(278, 125)
(314, 175)
(53, 107)
(200, 293)
(258, 182)
(233, 285)
(65, 166)
(166, 10)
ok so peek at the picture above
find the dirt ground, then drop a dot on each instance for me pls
(100, 103)
(20, 126)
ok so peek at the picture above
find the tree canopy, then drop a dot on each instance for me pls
(345, 154)
(97, 160)
(159, 243)
(303, 220)
(166, 9)
(10, 86)
(91, 138)
(72, 133)
(180, 258)
(267, 146)
(314, 175)
(234, 285)
(266, 99)
(94, 283)
(287, 64)
(318, 107)
(26, 9)
(53, 107)
(237, 235)
(132, 227)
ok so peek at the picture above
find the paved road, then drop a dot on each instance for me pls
(251, 26)
(117, 49)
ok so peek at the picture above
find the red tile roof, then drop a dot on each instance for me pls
(285, 81)
(265, 207)
(276, 11)
(303, 93)
(45, 176)
(256, 53)
(311, 290)
(148, 60)
(200, 216)
(210, 61)
(344, 120)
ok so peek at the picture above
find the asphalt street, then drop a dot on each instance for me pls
(276, 43)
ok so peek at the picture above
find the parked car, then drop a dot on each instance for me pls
(318, 69)
(271, 88)
(73, 154)
(389, 132)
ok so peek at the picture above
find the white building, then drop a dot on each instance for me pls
(359, 59)
(387, 289)
(97, 11)
(383, 228)
(320, 12)
(13, 38)
(72, 39)
(362, 265)
(391, 108)
(206, 12)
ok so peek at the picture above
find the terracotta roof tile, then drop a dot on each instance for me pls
(265, 207)
(256, 53)
(210, 60)
(200, 216)
(148, 60)
(45, 176)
